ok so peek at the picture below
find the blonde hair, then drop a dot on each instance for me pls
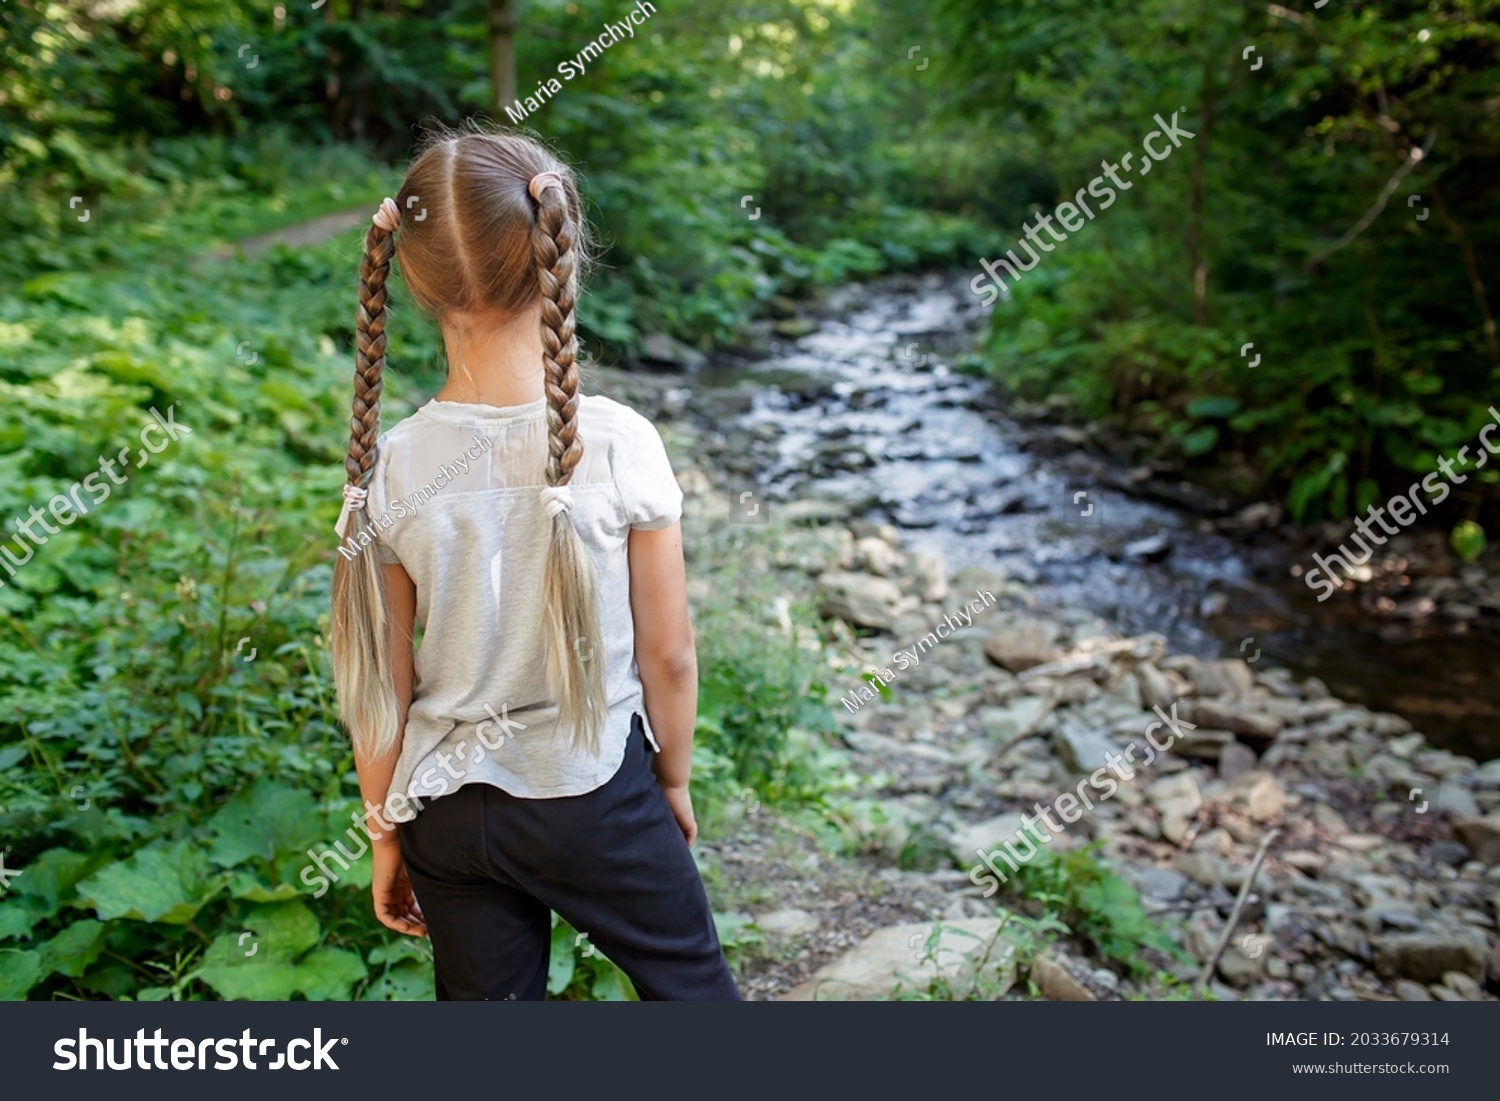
(472, 237)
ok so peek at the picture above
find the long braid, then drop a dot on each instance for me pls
(357, 635)
(552, 245)
(572, 640)
(369, 354)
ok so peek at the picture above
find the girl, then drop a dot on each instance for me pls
(533, 535)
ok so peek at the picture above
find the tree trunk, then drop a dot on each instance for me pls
(504, 18)
(1197, 258)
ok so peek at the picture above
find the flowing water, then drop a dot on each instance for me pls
(868, 410)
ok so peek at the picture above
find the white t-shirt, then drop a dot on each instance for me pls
(456, 499)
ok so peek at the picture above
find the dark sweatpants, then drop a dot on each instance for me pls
(487, 867)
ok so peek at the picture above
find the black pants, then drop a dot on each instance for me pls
(487, 867)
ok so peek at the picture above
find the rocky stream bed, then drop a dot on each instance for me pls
(1381, 877)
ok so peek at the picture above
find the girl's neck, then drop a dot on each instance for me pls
(493, 360)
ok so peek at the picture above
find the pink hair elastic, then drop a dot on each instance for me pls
(388, 216)
(541, 181)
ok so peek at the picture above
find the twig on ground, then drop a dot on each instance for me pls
(1234, 915)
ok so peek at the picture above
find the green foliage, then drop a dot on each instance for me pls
(763, 705)
(985, 975)
(1468, 540)
(1093, 903)
(1373, 344)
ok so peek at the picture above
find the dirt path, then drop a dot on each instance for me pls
(302, 235)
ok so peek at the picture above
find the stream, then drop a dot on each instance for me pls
(866, 409)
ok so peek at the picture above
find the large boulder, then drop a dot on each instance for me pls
(1236, 718)
(1428, 955)
(968, 952)
(1019, 646)
(1481, 836)
(859, 598)
(1232, 677)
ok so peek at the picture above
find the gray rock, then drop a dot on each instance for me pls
(788, 923)
(1458, 801)
(1387, 725)
(1235, 760)
(930, 577)
(1202, 745)
(873, 555)
(1004, 723)
(1162, 884)
(1428, 955)
(1239, 719)
(858, 598)
(1450, 853)
(1405, 745)
(1177, 800)
(1082, 749)
(1463, 985)
(1242, 962)
(1153, 548)
(899, 955)
(1257, 795)
(1481, 836)
(1233, 678)
(1395, 774)
(1409, 991)
(664, 348)
(1391, 913)
(969, 842)
(1204, 869)
(1156, 690)
(1057, 984)
(1021, 646)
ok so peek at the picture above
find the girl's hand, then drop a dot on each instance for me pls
(681, 802)
(395, 904)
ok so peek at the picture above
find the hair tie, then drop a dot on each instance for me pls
(388, 215)
(354, 501)
(557, 499)
(541, 181)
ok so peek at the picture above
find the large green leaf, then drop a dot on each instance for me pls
(560, 967)
(19, 972)
(74, 949)
(264, 821)
(15, 921)
(258, 959)
(52, 877)
(408, 982)
(163, 882)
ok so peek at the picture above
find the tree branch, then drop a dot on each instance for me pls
(1414, 157)
(1234, 915)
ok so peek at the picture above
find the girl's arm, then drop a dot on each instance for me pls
(395, 905)
(668, 661)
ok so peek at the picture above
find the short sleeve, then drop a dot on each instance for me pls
(643, 475)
